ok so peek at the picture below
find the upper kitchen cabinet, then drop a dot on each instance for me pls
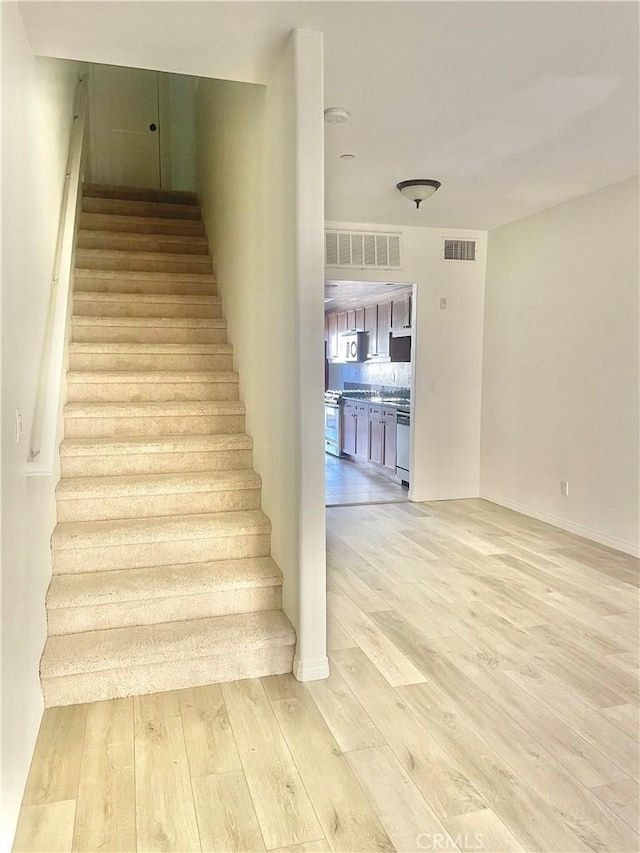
(371, 327)
(401, 315)
(332, 335)
(359, 312)
(342, 322)
(383, 330)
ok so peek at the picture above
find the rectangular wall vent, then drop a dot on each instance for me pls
(459, 250)
(363, 249)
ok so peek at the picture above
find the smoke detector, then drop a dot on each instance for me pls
(336, 115)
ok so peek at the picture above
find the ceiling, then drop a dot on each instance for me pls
(513, 106)
(341, 295)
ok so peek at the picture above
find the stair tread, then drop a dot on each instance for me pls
(135, 207)
(195, 227)
(95, 588)
(150, 376)
(148, 346)
(200, 239)
(69, 535)
(150, 322)
(92, 651)
(169, 408)
(124, 193)
(82, 488)
(145, 275)
(146, 256)
(156, 444)
(167, 298)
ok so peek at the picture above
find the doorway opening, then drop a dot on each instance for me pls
(369, 373)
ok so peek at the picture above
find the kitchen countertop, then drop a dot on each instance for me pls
(379, 401)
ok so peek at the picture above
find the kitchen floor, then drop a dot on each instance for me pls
(350, 483)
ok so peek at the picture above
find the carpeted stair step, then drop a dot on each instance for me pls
(124, 241)
(152, 209)
(159, 305)
(151, 495)
(149, 386)
(102, 457)
(119, 662)
(112, 259)
(140, 224)
(84, 546)
(112, 420)
(150, 356)
(162, 330)
(154, 283)
(90, 190)
(94, 601)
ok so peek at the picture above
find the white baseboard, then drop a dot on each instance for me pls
(625, 545)
(310, 670)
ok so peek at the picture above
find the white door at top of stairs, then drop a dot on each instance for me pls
(126, 130)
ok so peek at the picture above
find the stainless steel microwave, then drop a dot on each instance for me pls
(353, 346)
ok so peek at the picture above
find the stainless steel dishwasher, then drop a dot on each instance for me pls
(403, 458)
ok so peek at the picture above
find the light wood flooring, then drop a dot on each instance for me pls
(483, 696)
(349, 483)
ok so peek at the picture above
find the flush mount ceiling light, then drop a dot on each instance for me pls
(336, 115)
(418, 189)
(347, 156)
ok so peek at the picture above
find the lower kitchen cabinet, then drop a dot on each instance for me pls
(362, 431)
(376, 436)
(390, 442)
(349, 416)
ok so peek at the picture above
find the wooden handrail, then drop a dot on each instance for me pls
(46, 414)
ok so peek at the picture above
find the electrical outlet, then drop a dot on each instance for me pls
(443, 303)
(564, 488)
(19, 426)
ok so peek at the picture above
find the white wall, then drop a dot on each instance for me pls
(560, 382)
(448, 357)
(260, 181)
(37, 101)
(182, 131)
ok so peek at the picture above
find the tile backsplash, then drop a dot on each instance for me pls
(394, 375)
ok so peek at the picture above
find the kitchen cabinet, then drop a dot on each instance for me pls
(359, 312)
(376, 436)
(362, 431)
(349, 416)
(342, 322)
(371, 327)
(351, 320)
(390, 442)
(401, 310)
(332, 336)
(383, 330)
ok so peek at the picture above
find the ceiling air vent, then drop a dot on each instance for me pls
(362, 249)
(459, 250)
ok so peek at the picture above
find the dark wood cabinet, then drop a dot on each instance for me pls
(349, 417)
(401, 320)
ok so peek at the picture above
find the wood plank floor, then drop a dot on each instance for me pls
(483, 696)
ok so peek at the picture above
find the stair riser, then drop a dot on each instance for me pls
(91, 190)
(178, 552)
(87, 260)
(152, 506)
(149, 361)
(152, 611)
(184, 244)
(122, 285)
(151, 392)
(156, 463)
(274, 659)
(153, 210)
(148, 335)
(188, 310)
(140, 225)
(152, 426)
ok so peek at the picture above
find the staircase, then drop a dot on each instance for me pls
(162, 577)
